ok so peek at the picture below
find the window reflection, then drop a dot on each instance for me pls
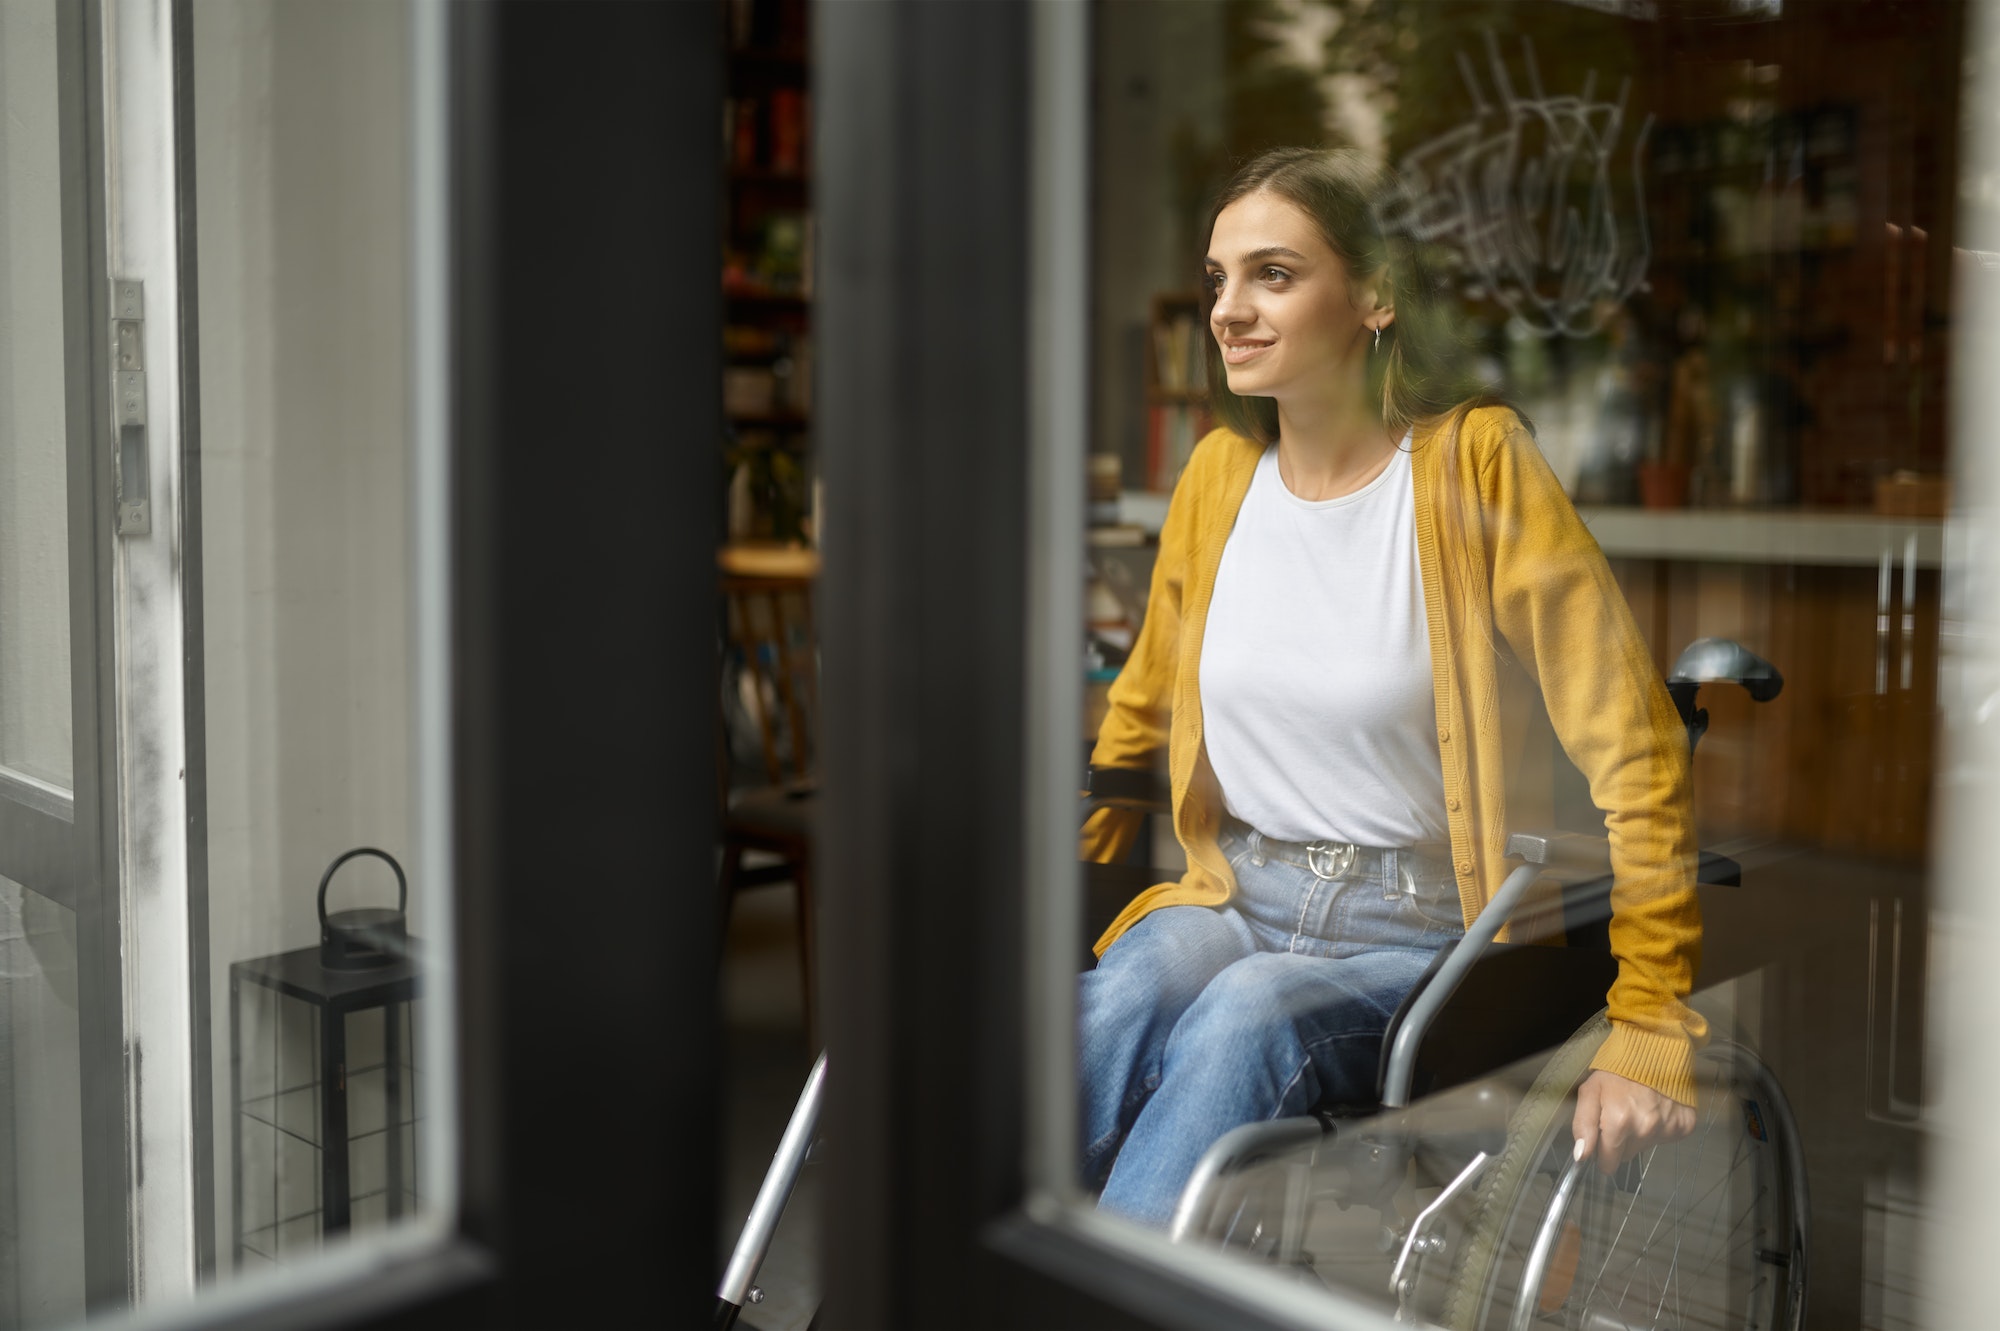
(41, 1161)
(34, 608)
(1662, 294)
(322, 1075)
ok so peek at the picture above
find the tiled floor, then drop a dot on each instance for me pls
(767, 1062)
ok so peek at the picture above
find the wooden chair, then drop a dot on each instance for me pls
(771, 665)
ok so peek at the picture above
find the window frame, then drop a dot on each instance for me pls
(585, 919)
(953, 155)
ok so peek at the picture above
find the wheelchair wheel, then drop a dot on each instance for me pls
(1262, 1214)
(1708, 1231)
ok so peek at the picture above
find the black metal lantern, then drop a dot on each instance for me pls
(323, 1080)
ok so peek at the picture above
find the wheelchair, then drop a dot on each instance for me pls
(1475, 1092)
(1487, 1220)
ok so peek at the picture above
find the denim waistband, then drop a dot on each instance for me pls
(1429, 861)
(1347, 900)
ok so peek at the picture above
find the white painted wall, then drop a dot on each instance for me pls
(41, 1138)
(301, 164)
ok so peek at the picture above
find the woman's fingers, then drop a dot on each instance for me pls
(1616, 1118)
(1679, 1123)
(1615, 1130)
(1583, 1124)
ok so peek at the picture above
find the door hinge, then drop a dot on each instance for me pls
(128, 390)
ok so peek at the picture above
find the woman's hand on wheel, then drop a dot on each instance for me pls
(1616, 1118)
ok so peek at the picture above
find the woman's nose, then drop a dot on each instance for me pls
(1228, 310)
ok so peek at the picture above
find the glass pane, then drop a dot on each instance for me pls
(1521, 419)
(34, 521)
(41, 1114)
(323, 1069)
(768, 595)
(305, 1112)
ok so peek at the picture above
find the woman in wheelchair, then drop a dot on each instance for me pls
(1368, 581)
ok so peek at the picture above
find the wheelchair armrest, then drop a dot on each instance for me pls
(1143, 789)
(1567, 856)
(1575, 858)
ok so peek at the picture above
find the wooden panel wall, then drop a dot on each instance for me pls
(1842, 758)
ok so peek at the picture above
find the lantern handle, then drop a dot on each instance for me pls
(402, 883)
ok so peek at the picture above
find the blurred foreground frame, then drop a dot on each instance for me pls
(586, 1183)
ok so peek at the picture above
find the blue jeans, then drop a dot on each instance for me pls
(1200, 1019)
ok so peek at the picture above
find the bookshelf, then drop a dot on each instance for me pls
(767, 270)
(1176, 386)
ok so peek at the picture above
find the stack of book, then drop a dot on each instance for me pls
(1177, 410)
(1180, 355)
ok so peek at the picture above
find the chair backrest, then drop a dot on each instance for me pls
(773, 666)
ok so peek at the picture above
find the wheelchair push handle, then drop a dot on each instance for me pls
(1141, 789)
(1718, 661)
(1724, 661)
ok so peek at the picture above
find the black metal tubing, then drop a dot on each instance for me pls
(392, 1091)
(335, 1184)
(1142, 788)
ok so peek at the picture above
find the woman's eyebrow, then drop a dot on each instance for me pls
(1258, 256)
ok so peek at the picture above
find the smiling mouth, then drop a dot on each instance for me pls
(1237, 354)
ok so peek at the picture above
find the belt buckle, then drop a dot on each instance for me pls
(1328, 860)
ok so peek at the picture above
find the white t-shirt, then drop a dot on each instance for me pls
(1316, 691)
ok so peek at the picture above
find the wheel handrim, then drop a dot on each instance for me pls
(1697, 1233)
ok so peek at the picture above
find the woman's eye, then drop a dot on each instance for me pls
(1214, 281)
(1280, 273)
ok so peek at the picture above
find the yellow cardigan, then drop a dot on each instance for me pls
(1525, 617)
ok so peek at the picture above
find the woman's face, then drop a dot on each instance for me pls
(1284, 315)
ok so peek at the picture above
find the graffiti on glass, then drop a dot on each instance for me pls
(1525, 191)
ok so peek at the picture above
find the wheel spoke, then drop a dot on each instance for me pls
(1637, 1188)
(1718, 1256)
(1667, 1281)
(1622, 1222)
(1736, 1158)
(1716, 1199)
(1686, 1158)
(1641, 1254)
